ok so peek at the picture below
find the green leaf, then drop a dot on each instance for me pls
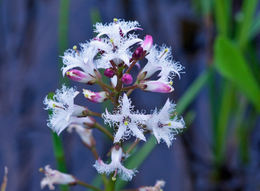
(222, 16)
(202, 6)
(249, 7)
(220, 133)
(231, 64)
(63, 33)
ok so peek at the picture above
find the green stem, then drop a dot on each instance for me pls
(88, 185)
(59, 156)
(104, 130)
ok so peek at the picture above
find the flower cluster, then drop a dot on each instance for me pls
(115, 52)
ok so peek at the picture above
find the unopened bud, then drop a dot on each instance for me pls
(109, 73)
(79, 76)
(97, 97)
(147, 43)
(138, 53)
(127, 79)
(156, 86)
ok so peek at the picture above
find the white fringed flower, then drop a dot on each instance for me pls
(157, 187)
(114, 41)
(162, 126)
(115, 165)
(55, 177)
(160, 59)
(64, 111)
(84, 133)
(115, 30)
(126, 120)
(84, 60)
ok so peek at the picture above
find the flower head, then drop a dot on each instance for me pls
(55, 177)
(115, 165)
(127, 121)
(114, 41)
(162, 124)
(64, 111)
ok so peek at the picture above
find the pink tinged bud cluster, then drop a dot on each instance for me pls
(96, 97)
(115, 166)
(55, 177)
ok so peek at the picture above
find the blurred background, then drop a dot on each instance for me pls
(217, 41)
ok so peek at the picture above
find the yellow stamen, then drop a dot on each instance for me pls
(115, 20)
(53, 105)
(126, 122)
(171, 83)
(169, 124)
(111, 40)
(113, 178)
(164, 52)
(75, 47)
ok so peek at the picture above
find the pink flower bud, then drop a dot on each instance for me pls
(96, 97)
(138, 53)
(156, 86)
(79, 76)
(147, 43)
(109, 73)
(127, 79)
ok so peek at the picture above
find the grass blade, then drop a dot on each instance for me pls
(222, 15)
(249, 7)
(231, 64)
